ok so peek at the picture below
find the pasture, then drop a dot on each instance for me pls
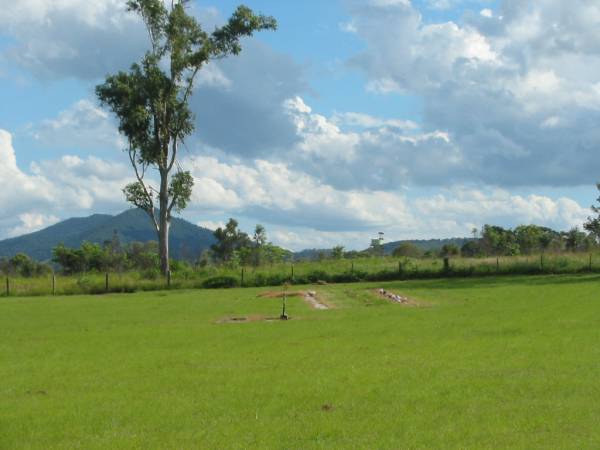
(494, 362)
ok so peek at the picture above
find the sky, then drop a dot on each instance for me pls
(419, 119)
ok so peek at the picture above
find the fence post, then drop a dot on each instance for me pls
(497, 264)
(292, 271)
(446, 264)
(352, 268)
(242, 280)
(590, 262)
(168, 278)
(542, 262)
(7, 287)
(106, 283)
(400, 267)
(53, 284)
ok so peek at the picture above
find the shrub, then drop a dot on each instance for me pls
(150, 274)
(221, 282)
(317, 275)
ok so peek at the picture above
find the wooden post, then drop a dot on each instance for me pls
(106, 283)
(53, 284)
(242, 281)
(7, 287)
(446, 264)
(590, 262)
(292, 271)
(400, 267)
(352, 268)
(497, 264)
(168, 278)
(542, 262)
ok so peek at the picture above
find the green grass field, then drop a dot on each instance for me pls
(510, 362)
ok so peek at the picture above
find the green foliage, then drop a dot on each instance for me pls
(450, 250)
(180, 189)
(376, 248)
(593, 223)
(256, 254)
(23, 266)
(229, 239)
(95, 258)
(472, 249)
(223, 281)
(337, 252)
(407, 249)
(498, 241)
(576, 240)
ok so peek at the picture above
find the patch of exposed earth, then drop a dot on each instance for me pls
(310, 297)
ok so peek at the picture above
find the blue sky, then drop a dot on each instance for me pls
(420, 119)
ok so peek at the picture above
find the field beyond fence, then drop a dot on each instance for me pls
(305, 272)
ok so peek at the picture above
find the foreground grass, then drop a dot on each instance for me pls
(485, 363)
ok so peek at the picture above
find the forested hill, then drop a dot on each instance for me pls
(187, 240)
(426, 244)
(388, 248)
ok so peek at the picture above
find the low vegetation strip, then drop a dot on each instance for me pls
(303, 272)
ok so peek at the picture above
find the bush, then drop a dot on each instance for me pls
(407, 249)
(221, 282)
(317, 275)
(150, 274)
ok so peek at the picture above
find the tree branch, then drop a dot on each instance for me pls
(173, 154)
(132, 153)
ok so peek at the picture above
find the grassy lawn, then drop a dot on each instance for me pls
(511, 362)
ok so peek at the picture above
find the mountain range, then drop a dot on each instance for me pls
(187, 240)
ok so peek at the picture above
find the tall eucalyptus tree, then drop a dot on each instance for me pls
(151, 101)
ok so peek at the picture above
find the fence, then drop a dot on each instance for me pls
(306, 272)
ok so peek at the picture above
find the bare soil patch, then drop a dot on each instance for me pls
(314, 300)
(310, 297)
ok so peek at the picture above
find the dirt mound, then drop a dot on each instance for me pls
(396, 298)
(309, 297)
(313, 300)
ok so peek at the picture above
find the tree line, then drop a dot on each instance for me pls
(494, 240)
(235, 248)
(232, 248)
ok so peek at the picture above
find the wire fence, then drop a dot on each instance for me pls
(305, 272)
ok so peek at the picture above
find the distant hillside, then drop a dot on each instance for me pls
(311, 253)
(426, 244)
(388, 248)
(187, 240)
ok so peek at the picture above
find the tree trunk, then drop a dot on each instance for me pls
(163, 223)
(163, 244)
